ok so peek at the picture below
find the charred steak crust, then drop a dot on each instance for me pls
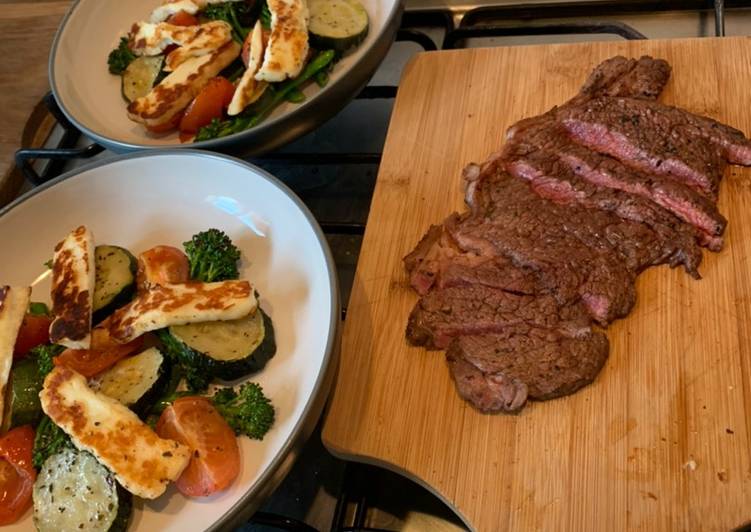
(560, 221)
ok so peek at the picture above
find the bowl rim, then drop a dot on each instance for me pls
(360, 72)
(289, 451)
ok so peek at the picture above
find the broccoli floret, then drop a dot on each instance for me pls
(233, 13)
(120, 57)
(248, 411)
(49, 439)
(44, 355)
(212, 256)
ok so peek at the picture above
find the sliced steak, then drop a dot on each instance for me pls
(545, 144)
(630, 131)
(562, 245)
(498, 372)
(438, 261)
(444, 314)
(734, 145)
(635, 78)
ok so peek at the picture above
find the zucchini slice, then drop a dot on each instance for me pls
(73, 491)
(115, 279)
(141, 76)
(135, 381)
(24, 385)
(228, 349)
(337, 24)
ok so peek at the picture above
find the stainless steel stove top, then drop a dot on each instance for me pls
(333, 169)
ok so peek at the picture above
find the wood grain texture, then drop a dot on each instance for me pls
(26, 33)
(660, 441)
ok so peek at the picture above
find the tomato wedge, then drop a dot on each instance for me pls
(209, 104)
(34, 331)
(216, 457)
(162, 265)
(17, 475)
(89, 362)
(183, 18)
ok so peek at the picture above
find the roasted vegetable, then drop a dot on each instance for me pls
(49, 440)
(44, 355)
(193, 369)
(39, 309)
(73, 491)
(24, 385)
(120, 57)
(248, 411)
(212, 256)
(115, 280)
(337, 24)
(135, 381)
(236, 14)
(272, 97)
(226, 350)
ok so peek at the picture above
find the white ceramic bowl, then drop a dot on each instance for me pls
(90, 96)
(141, 200)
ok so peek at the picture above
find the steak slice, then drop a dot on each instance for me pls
(438, 261)
(498, 372)
(562, 244)
(444, 314)
(633, 133)
(635, 78)
(546, 144)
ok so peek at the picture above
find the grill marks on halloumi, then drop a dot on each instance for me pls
(193, 41)
(14, 300)
(178, 304)
(141, 461)
(163, 103)
(169, 8)
(73, 280)
(288, 43)
(249, 89)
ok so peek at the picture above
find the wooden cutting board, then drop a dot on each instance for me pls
(27, 28)
(660, 441)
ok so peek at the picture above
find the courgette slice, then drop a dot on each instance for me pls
(73, 491)
(140, 76)
(227, 349)
(24, 385)
(115, 279)
(135, 381)
(337, 24)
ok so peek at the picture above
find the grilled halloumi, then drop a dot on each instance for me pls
(141, 461)
(192, 41)
(167, 9)
(249, 89)
(163, 103)
(73, 281)
(288, 43)
(170, 7)
(178, 304)
(14, 300)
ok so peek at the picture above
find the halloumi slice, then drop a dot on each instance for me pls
(73, 281)
(288, 43)
(192, 41)
(170, 7)
(167, 9)
(181, 303)
(141, 461)
(249, 89)
(14, 300)
(165, 101)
